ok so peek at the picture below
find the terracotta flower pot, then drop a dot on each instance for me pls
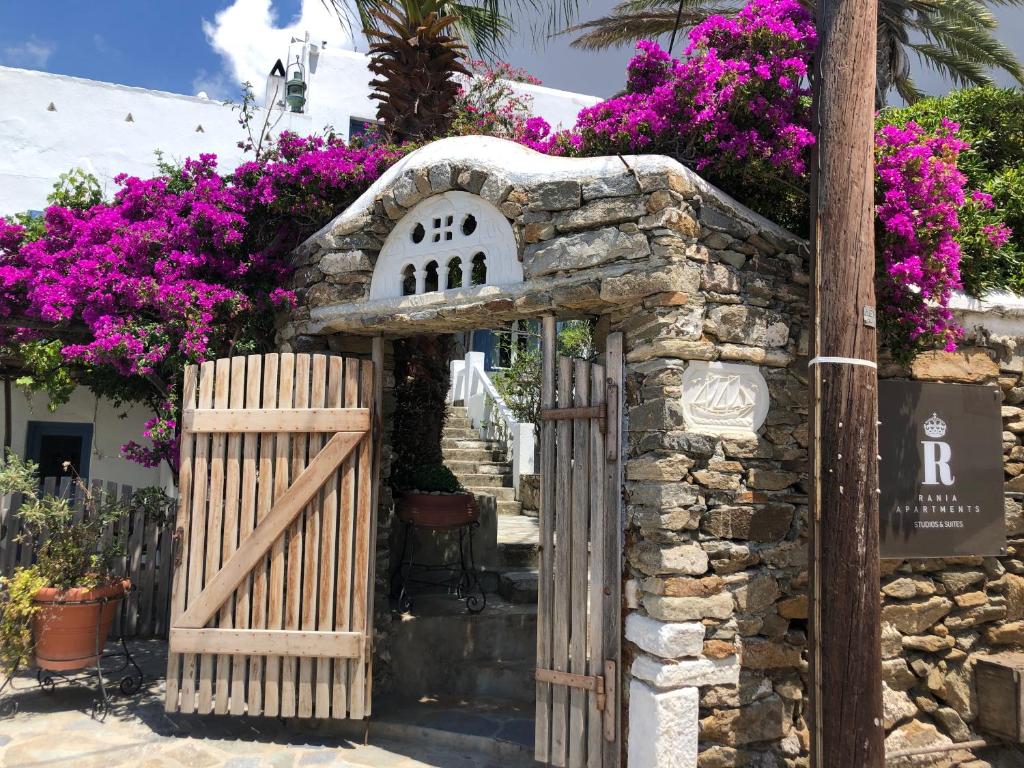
(64, 629)
(438, 511)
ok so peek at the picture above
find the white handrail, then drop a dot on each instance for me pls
(489, 414)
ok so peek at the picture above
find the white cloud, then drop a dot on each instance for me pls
(249, 38)
(32, 52)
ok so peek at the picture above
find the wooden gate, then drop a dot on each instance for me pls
(271, 606)
(578, 601)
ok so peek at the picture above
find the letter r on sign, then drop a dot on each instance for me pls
(936, 463)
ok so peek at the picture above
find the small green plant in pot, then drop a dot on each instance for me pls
(54, 612)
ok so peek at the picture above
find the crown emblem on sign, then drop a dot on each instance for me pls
(934, 426)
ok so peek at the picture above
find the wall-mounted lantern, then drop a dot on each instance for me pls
(296, 88)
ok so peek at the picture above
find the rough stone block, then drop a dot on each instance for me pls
(663, 727)
(653, 559)
(611, 186)
(600, 213)
(967, 365)
(555, 196)
(914, 618)
(689, 608)
(665, 639)
(662, 673)
(582, 251)
(764, 522)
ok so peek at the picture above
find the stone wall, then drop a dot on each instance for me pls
(715, 670)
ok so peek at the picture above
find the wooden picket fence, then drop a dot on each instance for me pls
(145, 545)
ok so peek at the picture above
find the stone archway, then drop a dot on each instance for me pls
(686, 275)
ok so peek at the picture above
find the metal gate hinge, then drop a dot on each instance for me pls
(592, 683)
(602, 686)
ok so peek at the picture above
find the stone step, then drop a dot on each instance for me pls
(519, 586)
(484, 480)
(501, 494)
(458, 422)
(509, 507)
(489, 654)
(479, 467)
(458, 411)
(460, 434)
(516, 556)
(474, 444)
(473, 454)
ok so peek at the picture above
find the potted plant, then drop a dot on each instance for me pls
(430, 496)
(56, 613)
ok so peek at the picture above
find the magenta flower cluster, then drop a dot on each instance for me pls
(178, 268)
(737, 99)
(919, 194)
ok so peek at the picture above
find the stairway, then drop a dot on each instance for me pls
(484, 469)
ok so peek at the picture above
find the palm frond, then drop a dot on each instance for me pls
(947, 63)
(620, 30)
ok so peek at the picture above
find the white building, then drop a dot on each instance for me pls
(53, 123)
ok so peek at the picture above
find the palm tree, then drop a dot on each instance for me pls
(953, 37)
(415, 56)
(418, 48)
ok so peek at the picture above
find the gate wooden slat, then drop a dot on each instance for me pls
(294, 543)
(362, 570)
(328, 553)
(311, 543)
(246, 524)
(271, 368)
(595, 734)
(275, 604)
(377, 412)
(229, 528)
(577, 582)
(185, 472)
(135, 524)
(214, 521)
(197, 535)
(612, 545)
(545, 587)
(343, 601)
(561, 612)
(146, 598)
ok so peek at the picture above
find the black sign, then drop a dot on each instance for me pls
(941, 470)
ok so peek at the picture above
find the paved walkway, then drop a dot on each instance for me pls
(55, 729)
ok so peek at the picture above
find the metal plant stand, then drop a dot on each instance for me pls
(464, 581)
(47, 680)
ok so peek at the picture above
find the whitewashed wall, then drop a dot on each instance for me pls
(112, 427)
(89, 128)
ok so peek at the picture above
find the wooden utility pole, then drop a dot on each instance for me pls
(846, 699)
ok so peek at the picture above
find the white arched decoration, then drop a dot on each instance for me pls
(420, 254)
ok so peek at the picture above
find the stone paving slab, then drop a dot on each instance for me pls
(56, 729)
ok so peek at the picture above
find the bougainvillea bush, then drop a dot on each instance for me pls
(183, 267)
(736, 109)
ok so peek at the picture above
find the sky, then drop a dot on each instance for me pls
(187, 46)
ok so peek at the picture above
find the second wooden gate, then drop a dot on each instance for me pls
(579, 590)
(271, 607)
